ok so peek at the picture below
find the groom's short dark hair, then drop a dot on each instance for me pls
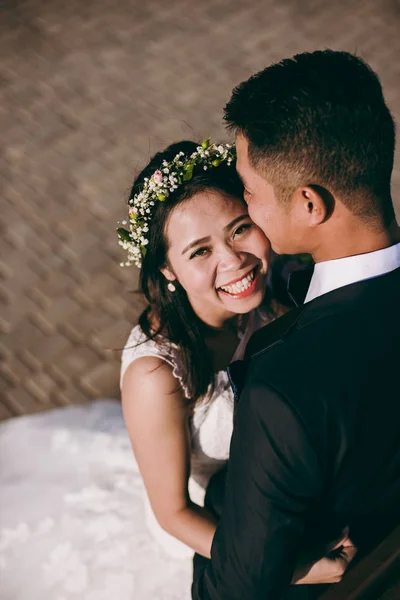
(320, 118)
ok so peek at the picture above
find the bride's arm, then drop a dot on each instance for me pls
(331, 567)
(156, 416)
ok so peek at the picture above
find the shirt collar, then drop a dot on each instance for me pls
(333, 274)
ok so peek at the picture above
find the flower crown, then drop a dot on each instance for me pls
(157, 188)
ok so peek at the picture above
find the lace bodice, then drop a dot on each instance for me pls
(211, 422)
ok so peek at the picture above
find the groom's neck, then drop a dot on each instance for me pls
(353, 237)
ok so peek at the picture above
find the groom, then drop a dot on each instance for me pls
(316, 442)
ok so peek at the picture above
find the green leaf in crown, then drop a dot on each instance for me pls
(123, 234)
(188, 171)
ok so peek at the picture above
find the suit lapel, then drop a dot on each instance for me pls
(273, 333)
(261, 341)
(237, 375)
(298, 284)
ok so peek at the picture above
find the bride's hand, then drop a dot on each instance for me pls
(331, 567)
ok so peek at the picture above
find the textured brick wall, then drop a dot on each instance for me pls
(88, 90)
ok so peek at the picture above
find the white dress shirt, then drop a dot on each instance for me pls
(333, 274)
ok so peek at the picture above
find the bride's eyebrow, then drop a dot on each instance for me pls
(208, 238)
(233, 223)
(195, 243)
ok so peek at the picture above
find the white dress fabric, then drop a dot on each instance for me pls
(73, 524)
(72, 517)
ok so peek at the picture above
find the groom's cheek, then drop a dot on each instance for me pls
(261, 216)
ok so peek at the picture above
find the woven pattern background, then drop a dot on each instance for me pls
(88, 91)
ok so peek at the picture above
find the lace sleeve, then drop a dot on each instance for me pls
(138, 345)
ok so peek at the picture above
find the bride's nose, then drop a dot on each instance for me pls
(231, 260)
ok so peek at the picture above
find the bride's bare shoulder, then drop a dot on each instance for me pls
(150, 379)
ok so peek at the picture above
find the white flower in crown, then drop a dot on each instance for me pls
(157, 188)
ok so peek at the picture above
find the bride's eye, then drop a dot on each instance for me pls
(199, 252)
(242, 229)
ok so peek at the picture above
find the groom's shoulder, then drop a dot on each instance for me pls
(301, 332)
(291, 349)
(365, 309)
(319, 352)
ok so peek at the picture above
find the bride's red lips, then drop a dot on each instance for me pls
(244, 293)
(238, 279)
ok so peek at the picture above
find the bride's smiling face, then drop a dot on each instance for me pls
(218, 255)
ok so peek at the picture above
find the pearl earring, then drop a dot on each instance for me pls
(171, 287)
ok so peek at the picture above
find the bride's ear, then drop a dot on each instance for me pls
(168, 274)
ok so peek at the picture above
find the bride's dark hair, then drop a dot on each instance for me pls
(170, 314)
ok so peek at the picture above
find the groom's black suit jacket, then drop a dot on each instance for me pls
(316, 442)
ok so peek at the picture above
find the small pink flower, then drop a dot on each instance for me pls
(158, 176)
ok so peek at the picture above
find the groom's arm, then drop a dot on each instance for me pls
(274, 476)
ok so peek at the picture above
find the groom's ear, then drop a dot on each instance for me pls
(315, 202)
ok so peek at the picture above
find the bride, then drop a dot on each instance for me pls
(73, 523)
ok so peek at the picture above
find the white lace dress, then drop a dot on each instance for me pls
(72, 517)
(210, 424)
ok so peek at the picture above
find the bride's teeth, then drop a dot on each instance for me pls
(239, 286)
